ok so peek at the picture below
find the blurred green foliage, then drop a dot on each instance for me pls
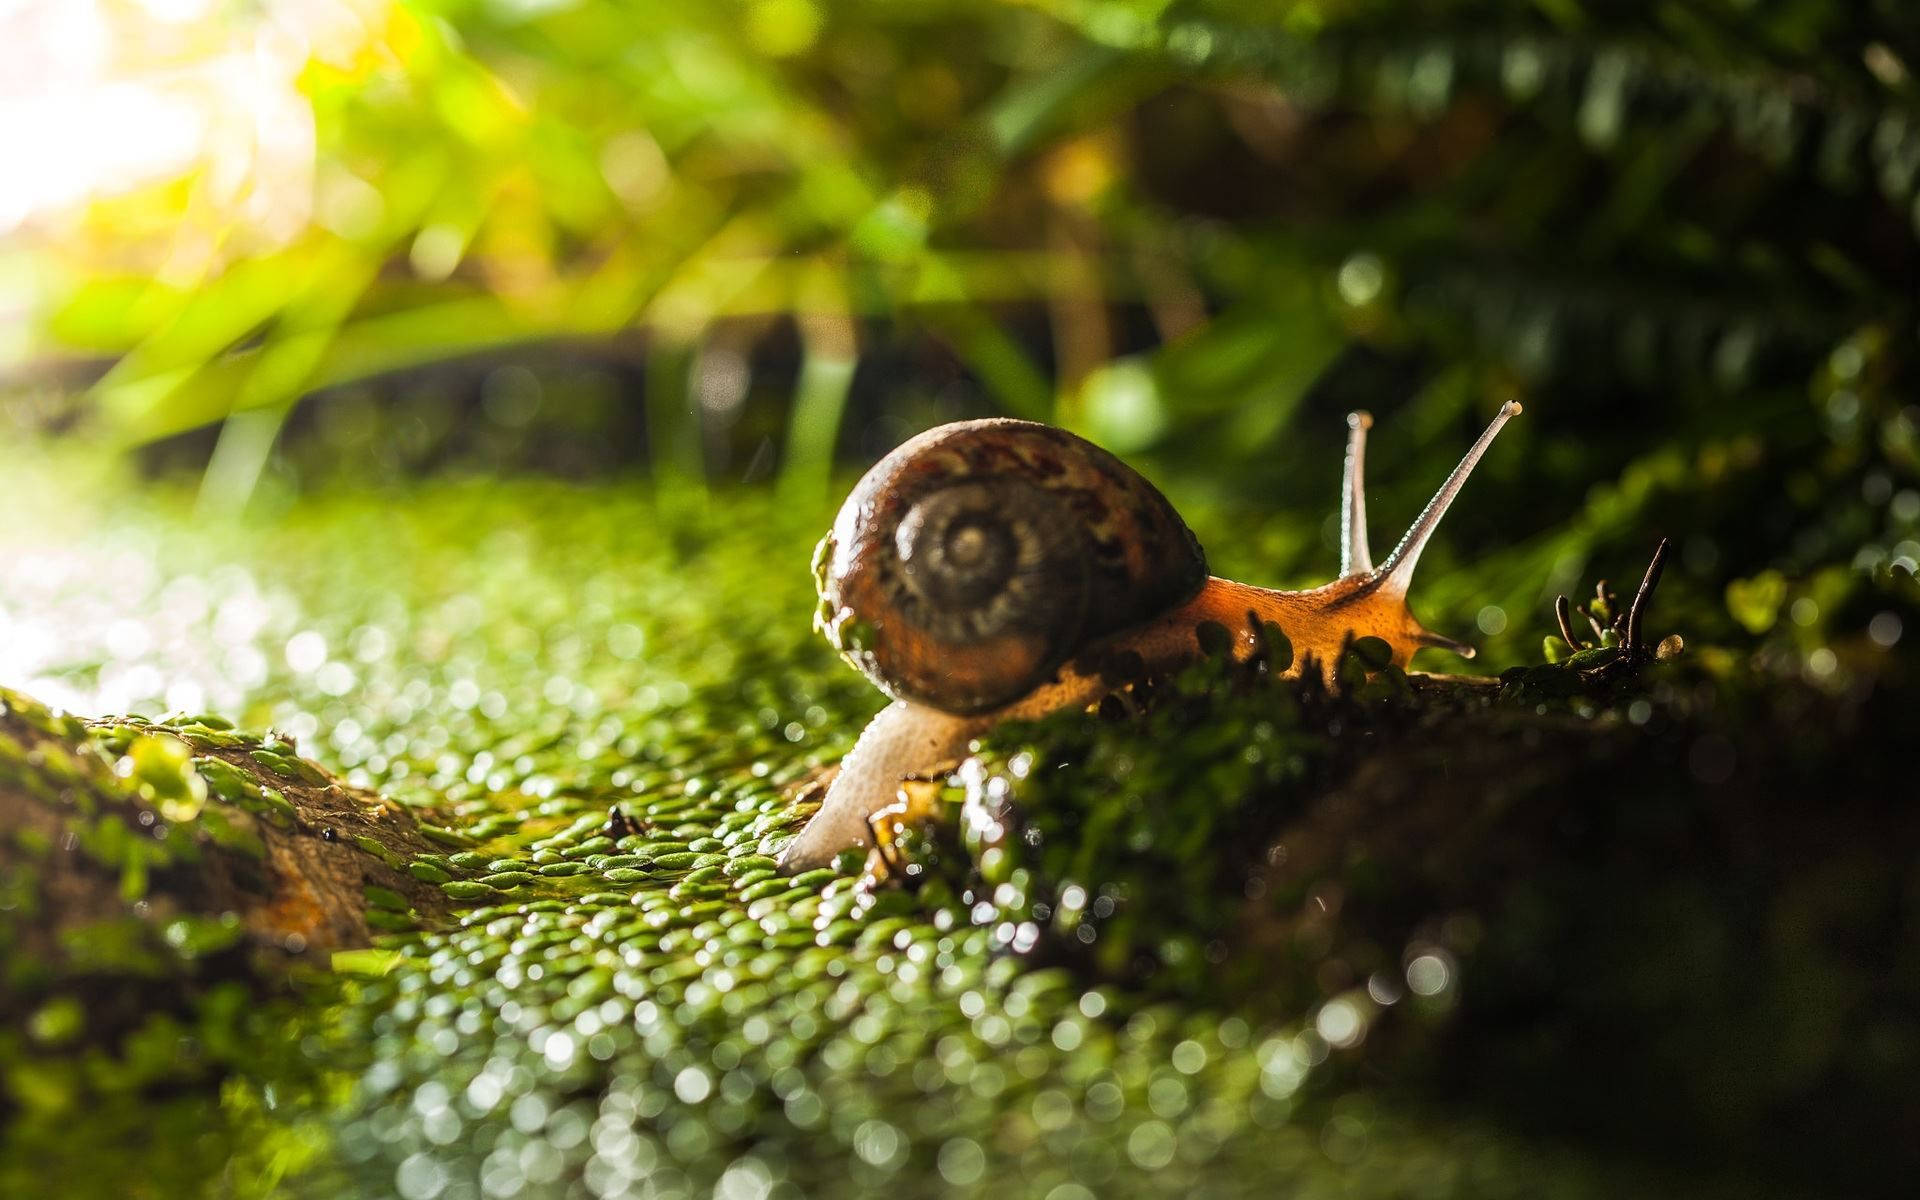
(747, 239)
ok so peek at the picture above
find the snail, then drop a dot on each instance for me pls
(1000, 569)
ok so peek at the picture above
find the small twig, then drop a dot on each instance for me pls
(1647, 583)
(1626, 627)
(1599, 630)
(1563, 612)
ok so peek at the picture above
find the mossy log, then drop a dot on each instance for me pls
(1664, 907)
(133, 850)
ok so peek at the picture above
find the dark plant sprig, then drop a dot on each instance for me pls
(1614, 627)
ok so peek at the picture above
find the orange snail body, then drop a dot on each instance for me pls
(988, 570)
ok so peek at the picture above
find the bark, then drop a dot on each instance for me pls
(133, 851)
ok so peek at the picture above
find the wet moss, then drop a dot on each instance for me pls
(641, 1005)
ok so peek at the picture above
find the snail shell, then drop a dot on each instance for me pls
(970, 566)
(975, 559)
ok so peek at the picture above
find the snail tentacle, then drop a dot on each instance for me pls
(1397, 572)
(1375, 604)
(1355, 557)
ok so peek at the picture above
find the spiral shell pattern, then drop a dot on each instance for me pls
(973, 560)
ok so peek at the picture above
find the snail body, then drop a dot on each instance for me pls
(995, 570)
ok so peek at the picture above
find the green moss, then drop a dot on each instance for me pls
(195, 937)
(373, 847)
(644, 998)
(386, 898)
(427, 872)
(446, 837)
(123, 947)
(57, 1022)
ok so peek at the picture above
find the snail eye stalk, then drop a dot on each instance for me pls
(1397, 572)
(1355, 558)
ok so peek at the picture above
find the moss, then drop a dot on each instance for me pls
(1131, 862)
(637, 995)
(427, 872)
(373, 847)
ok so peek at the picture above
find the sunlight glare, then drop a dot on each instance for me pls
(103, 97)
